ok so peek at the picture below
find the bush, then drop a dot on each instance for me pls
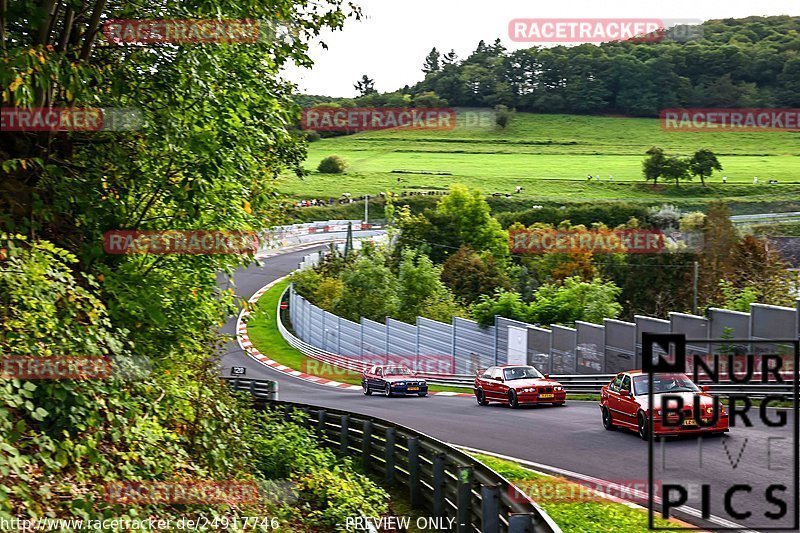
(332, 165)
(502, 116)
(313, 136)
(610, 214)
(327, 489)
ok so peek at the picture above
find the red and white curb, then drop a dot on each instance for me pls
(247, 346)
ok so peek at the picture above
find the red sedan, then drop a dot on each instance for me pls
(517, 385)
(624, 403)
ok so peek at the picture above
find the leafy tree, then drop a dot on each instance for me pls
(328, 293)
(214, 129)
(676, 168)
(737, 299)
(652, 284)
(716, 261)
(365, 86)
(450, 58)
(429, 99)
(442, 306)
(470, 275)
(504, 303)
(306, 282)
(757, 267)
(563, 304)
(703, 163)
(432, 61)
(470, 216)
(653, 165)
(418, 281)
(369, 290)
(575, 300)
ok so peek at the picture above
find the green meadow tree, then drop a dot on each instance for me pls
(703, 163)
(653, 165)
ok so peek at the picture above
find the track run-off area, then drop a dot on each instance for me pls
(569, 441)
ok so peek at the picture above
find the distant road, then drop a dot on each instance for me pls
(768, 218)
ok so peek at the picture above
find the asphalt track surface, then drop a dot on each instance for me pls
(570, 438)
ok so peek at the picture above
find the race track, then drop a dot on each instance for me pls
(571, 438)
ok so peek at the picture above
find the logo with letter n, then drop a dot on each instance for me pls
(668, 343)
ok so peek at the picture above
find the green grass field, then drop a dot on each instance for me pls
(574, 514)
(550, 156)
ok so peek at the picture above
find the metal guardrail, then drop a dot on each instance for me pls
(439, 479)
(259, 388)
(770, 218)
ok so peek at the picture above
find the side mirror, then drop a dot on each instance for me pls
(705, 388)
(498, 378)
(547, 376)
(624, 393)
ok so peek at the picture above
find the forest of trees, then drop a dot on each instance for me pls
(750, 62)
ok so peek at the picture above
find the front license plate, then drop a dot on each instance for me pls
(690, 422)
(413, 388)
(547, 396)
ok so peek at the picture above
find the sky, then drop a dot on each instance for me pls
(390, 43)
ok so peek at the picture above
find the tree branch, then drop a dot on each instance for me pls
(91, 31)
(48, 8)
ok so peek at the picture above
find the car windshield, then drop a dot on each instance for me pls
(520, 372)
(396, 371)
(664, 383)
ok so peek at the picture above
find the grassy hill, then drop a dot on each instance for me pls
(550, 156)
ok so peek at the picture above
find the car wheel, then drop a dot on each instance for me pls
(513, 401)
(422, 394)
(607, 422)
(367, 390)
(559, 404)
(481, 397)
(644, 427)
(387, 391)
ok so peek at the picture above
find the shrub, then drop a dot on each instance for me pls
(313, 136)
(665, 217)
(502, 116)
(332, 165)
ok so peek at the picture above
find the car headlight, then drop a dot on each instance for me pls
(530, 389)
(399, 383)
(557, 388)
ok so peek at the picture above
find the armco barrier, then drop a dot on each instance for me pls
(439, 479)
(258, 388)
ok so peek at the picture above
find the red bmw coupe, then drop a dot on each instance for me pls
(624, 403)
(517, 385)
